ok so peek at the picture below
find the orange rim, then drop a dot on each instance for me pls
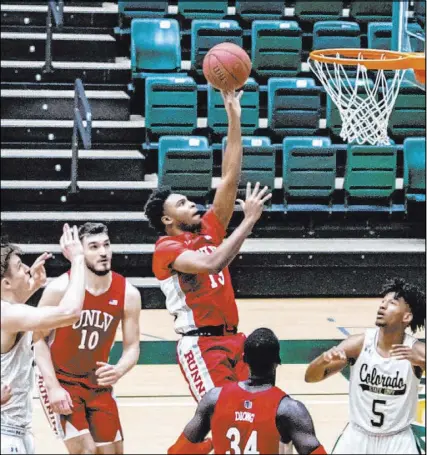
(373, 59)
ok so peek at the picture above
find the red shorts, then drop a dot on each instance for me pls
(94, 411)
(208, 362)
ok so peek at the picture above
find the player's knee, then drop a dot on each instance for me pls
(87, 448)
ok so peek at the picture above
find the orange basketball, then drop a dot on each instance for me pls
(227, 66)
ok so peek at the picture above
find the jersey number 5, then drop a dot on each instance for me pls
(215, 279)
(233, 434)
(380, 422)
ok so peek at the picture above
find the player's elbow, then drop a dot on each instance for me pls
(71, 315)
(309, 377)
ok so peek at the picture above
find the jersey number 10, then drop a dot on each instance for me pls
(233, 434)
(91, 342)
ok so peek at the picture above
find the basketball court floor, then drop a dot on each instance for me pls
(154, 400)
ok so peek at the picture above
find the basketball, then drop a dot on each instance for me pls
(227, 66)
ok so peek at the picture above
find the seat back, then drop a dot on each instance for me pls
(189, 143)
(155, 45)
(205, 34)
(293, 106)
(414, 168)
(188, 171)
(370, 171)
(255, 10)
(258, 162)
(191, 9)
(170, 105)
(380, 33)
(276, 48)
(408, 118)
(318, 11)
(420, 13)
(141, 9)
(378, 11)
(217, 116)
(309, 168)
(336, 34)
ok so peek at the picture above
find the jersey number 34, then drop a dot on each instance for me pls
(233, 434)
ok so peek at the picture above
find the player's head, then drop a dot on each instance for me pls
(403, 305)
(97, 247)
(262, 352)
(167, 212)
(15, 275)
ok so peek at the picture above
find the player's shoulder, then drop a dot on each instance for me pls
(290, 408)
(131, 290)
(168, 242)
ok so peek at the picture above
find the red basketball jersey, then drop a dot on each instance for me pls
(76, 349)
(195, 300)
(245, 422)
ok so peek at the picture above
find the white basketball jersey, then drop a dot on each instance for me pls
(17, 372)
(383, 391)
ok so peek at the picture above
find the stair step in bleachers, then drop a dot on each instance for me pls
(59, 104)
(67, 72)
(51, 165)
(60, 131)
(65, 47)
(30, 15)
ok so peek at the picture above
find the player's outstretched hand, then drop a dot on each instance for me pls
(71, 245)
(60, 400)
(232, 102)
(107, 374)
(403, 352)
(6, 393)
(254, 203)
(333, 355)
(38, 272)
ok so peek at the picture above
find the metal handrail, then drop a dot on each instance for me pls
(55, 10)
(82, 128)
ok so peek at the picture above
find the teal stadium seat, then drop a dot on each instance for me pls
(155, 46)
(309, 173)
(205, 34)
(293, 106)
(202, 9)
(370, 177)
(408, 118)
(336, 34)
(276, 48)
(257, 10)
(379, 36)
(313, 11)
(333, 117)
(185, 164)
(420, 13)
(363, 11)
(141, 9)
(170, 105)
(414, 168)
(217, 116)
(258, 162)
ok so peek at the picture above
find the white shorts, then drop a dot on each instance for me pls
(16, 441)
(355, 441)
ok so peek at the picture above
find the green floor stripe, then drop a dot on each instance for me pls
(164, 352)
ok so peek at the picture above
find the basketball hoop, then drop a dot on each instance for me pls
(365, 108)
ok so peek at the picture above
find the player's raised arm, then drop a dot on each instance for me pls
(18, 317)
(335, 359)
(296, 425)
(225, 196)
(192, 440)
(195, 262)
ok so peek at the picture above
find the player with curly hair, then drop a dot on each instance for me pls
(386, 367)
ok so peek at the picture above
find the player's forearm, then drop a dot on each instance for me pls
(227, 251)
(45, 365)
(73, 299)
(232, 160)
(420, 356)
(128, 359)
(317, 370)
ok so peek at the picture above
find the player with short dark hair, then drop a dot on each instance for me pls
(386, 368)
(252, 416)
(191, 261)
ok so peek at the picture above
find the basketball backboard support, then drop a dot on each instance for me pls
(408, 33)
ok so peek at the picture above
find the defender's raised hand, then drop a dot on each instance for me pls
(71, 245)
(232, 102)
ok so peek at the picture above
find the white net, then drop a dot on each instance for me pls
(365, 105)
